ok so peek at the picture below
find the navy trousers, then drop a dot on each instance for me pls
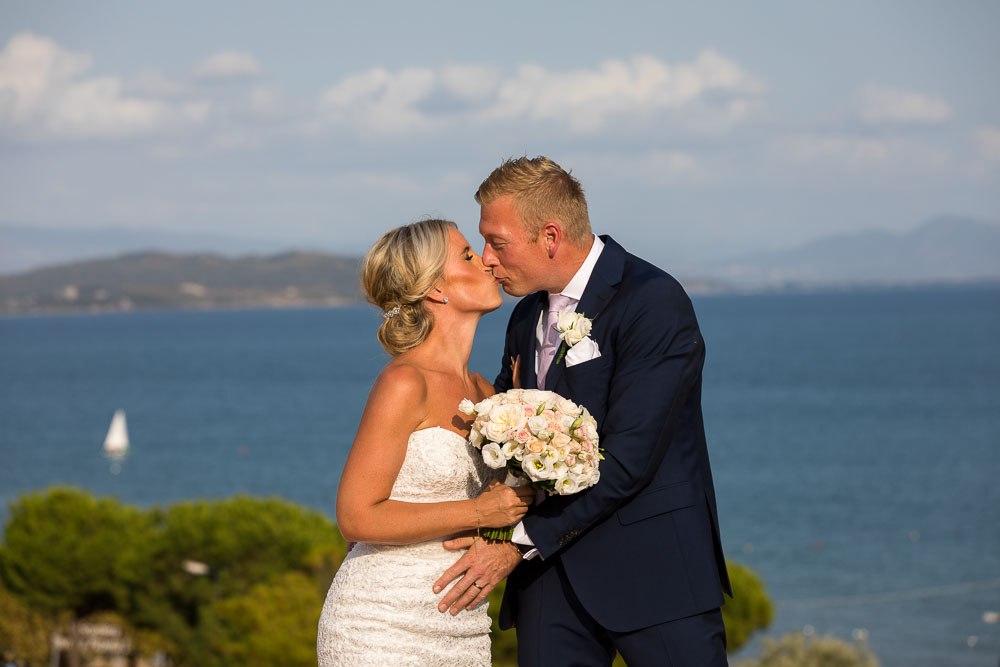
(554, 630)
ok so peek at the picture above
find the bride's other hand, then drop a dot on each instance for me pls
(516, 371)
(501, 505)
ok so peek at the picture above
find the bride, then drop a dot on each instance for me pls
(411, 478)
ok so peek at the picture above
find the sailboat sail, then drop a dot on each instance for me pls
(116, 443)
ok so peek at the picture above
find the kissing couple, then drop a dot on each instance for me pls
(633, 564)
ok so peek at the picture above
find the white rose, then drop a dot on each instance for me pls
(567, 320)
(467, 407)
(535, 396)
(573, 327)
(504, 421)
(538, 425)
(476, 438)
(567, 406)
(493, 455)
(484, 406)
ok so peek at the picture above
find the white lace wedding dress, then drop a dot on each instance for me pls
(381, 608)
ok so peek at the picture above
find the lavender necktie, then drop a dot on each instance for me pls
(551, 341)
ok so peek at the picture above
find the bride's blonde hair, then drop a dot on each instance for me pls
(398, 272)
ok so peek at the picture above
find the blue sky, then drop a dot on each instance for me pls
(698, 131)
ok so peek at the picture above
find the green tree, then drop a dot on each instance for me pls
(794, 650)
(273, 624)
(749, 610)
(24, 633)
(64, 551)
(244, 542)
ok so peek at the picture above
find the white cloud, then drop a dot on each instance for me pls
(41, 92)
(988, 143)
(585, 100)
(228, 65)
(879, 104)
(381, 100)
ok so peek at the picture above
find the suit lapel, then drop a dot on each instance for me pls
(529, 378)
(600, 288)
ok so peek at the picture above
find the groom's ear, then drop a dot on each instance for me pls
(551, 236)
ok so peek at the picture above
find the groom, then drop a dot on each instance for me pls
(635, 563)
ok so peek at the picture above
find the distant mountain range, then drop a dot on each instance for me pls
(23, 248)
(945, 250)
(152, 280)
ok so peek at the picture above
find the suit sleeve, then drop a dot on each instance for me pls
(658, 358)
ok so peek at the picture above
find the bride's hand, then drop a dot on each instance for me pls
(501, 505)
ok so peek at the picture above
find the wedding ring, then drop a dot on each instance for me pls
(478, 586)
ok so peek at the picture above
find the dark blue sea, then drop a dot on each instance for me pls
(855, 438)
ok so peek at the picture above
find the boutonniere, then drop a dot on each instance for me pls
(572, 327)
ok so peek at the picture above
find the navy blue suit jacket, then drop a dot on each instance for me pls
(642, 546)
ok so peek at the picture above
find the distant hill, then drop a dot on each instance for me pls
(23, 248)
(944, 250)
(150, 280)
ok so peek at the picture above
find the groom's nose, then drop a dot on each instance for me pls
(489, 257)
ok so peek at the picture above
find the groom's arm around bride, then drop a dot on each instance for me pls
(635, 563)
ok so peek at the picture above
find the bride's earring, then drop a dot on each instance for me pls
(446, 299)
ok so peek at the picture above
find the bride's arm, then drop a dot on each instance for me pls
(397, 406)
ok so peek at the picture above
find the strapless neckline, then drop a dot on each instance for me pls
(439, 428)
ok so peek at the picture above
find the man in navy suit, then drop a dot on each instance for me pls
(635, 563)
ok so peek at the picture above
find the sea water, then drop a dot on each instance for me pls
(854, 437)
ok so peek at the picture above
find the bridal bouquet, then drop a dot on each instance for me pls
(540, 437)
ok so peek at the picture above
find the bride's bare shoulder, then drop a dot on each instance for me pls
(484, 385)
(400, 380)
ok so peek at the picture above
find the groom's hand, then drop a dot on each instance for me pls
(485, 564)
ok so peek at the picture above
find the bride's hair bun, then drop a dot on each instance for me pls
(398, 272)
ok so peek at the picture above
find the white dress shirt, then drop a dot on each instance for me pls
(573, 290)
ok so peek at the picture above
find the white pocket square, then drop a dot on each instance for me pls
(583, 351)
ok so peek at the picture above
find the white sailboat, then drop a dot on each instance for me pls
(116, 443)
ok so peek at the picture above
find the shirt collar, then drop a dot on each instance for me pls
(574, 289)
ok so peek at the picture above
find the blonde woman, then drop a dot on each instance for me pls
(411, 478)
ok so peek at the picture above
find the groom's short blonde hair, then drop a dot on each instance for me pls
(541, 191)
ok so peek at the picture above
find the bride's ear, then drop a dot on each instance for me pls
(437, 296)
